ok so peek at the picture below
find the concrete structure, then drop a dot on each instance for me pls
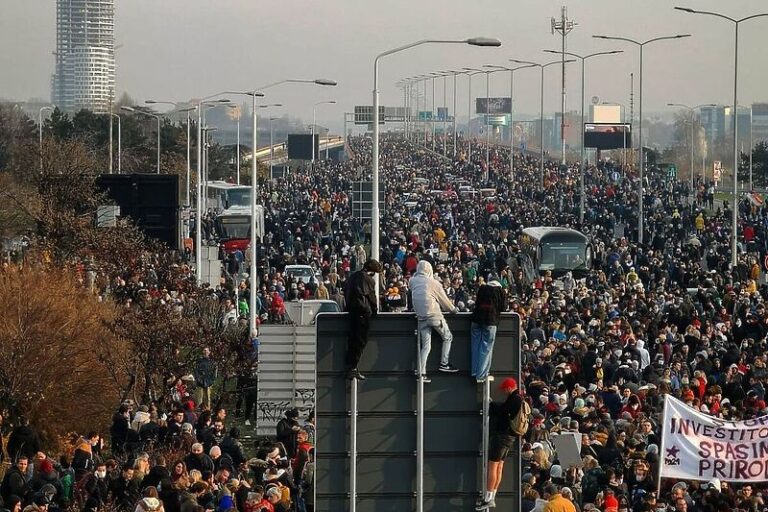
(714, 122)
(84, 75)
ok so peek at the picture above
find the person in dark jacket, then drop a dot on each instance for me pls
(15, 482)
(362, 305)
(232, 446)
(198, 460)
(119, 429)
(156, 474)
(205, 375)
(23, 441)
(502, 438)
(485, 319)
(124, 490)
(287, 428)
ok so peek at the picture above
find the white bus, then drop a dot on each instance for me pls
(222, 195)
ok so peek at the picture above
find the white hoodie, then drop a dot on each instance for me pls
(428, 295)
(139, 419)
(645, 357)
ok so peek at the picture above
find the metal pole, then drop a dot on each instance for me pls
(271, 147)
(314, 112)
(188, 163)
(158, 144)
(486, 426)
(511, 125)
(582, 193)
(353, 445)
(454, 115)
(541, 131)
(735, 215)
(419, 435)
(374, 210)
(642, 158)
(254, 271)
(692, 115)
(487, 124)
(426, 126)
(469, 119)
(432, 116)
(238, 146)
(751, 150)
(119, 144)
(198, 202)
(327, 140)
(445, 119)
(111, 143)
(405, 109)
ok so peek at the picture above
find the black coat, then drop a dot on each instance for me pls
(360, 294)
(489, 305)
(23, 441)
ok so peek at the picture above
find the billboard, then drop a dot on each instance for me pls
(300, 146)
(493, 105)
(607, 136)
(151, 200)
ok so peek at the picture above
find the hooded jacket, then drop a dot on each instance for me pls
(140, 419)
(428, 295)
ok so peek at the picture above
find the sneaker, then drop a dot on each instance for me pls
(492, 503)
(483, 505)
(448, 368)
(248, 423)
(425, 379)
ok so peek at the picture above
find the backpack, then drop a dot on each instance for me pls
(521, 421)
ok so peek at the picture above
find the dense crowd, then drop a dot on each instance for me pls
(670, 315)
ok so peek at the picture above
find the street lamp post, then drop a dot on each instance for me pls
(470, 72)
(477, 41)
(511, 112)
(736, 23)
(692, 111)
(314, 120)
(641, 45)
(158, 118)
(119, 143)
(181, 110)
(541, 109)
(582, 165)
(40, 132)
(253, 272)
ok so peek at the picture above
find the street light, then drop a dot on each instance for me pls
(692, 110)
(511, 111)
(158, 118)
(541, 109)
(470, 72)
(314, 120)
(736, 23)
(475, 41)
(256, 93)
(487, 115)
(40, 131)
(187, 110)
(582, 165)
(641, 45)
(119, 143)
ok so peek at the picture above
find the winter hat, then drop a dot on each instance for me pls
(46, 467)
(556, 471)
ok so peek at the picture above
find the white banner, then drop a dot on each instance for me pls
(699, 447)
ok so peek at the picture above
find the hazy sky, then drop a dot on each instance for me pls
(179, 49)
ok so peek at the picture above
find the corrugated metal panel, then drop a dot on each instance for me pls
(286, 373)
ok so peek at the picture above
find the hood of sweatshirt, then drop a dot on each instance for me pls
(424, 268)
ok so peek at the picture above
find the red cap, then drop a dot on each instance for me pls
(508, 383)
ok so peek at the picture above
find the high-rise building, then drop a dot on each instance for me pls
(85, 55)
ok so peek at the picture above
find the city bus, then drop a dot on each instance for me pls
(554, 249)
(222, 195)
(233, 227)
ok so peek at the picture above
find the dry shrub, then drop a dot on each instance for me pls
(51, 331)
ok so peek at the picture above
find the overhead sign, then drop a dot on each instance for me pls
(700, 447)
(442, 113)
(364, 114)
(425, 115)
(493, 105)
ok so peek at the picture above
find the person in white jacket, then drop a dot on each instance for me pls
(429, 300)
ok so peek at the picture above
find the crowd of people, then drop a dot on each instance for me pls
(668, 316)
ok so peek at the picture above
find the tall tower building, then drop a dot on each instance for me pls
(85, 55)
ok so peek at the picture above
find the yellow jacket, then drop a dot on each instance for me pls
(559, 504)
